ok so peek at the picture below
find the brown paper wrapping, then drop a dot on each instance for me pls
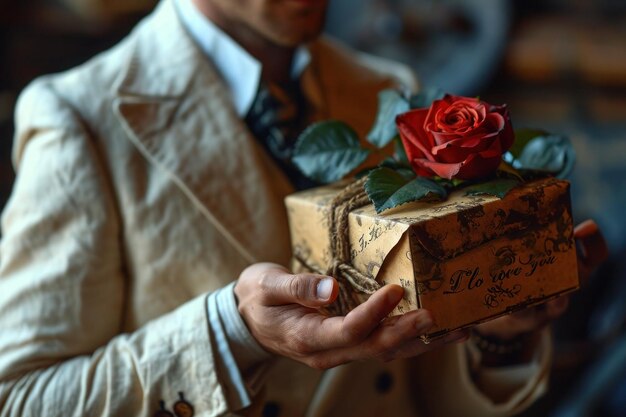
(468, 259)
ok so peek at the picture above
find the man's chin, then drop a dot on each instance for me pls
(293, 42)
(296, 28)
(297, 37)
(305, 6)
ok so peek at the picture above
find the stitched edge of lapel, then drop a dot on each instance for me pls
(119, 106)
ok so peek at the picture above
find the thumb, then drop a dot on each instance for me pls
(309, 290)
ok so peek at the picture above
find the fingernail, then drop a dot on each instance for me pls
(586, 228)
(324, 289)
(395, 294)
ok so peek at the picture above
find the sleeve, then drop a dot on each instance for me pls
(447, 386)
(63, 289)
(242, 362)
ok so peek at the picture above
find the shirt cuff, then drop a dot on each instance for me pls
(245, 349)
(241, 362)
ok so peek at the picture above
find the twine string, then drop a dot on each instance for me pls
(349, 278)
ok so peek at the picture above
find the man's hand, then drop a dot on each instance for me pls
(592, 252)
(281, 311)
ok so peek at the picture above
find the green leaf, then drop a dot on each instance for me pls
(554, 154)
(522, 137)
(498, 187)
(426, 97)
(387, 189)
(390, 163)
(407, 173)
(390, 104)
(534, 174)
(393, 163)
(327, 151)
(507, 171)
(449, 183)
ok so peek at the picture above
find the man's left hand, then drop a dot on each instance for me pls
(592, 252)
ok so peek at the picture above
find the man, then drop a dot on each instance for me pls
(141, 196)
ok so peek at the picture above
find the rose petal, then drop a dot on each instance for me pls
(494, 151)
(478, 166)
(494, 122)
(416, 141)
(501, 109)
(440, 138)
(460, 148)
(437, 107)
(436, 168)
(475, 166)
(443, 138)
(507, 134)
(419, 169)
(470, 141)
(479, 141)
(412, 149)
(451, 153)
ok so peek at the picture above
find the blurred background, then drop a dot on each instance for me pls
(560, 65)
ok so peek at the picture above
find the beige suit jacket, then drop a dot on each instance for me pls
(138, 192)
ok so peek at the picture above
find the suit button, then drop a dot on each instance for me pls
(384, 382)
(271, 409)
(163, 412)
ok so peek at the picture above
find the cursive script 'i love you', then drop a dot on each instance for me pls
(469, 279)
(472, 278)
(465, 279)
(536, 261)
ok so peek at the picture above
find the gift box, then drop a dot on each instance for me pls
(468, 259)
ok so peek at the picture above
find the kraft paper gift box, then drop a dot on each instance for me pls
(468, 259)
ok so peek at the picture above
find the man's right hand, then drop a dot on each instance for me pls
(282, 312)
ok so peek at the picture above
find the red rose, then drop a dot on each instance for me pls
(457, 137)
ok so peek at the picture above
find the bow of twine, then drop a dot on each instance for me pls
(349, 278)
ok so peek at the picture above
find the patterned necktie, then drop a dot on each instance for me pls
(276, 118)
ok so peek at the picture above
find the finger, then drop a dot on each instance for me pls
(376, 347)
(555, 308)
(338, 332)
(311, 290)
(360, 322)
(389, 336)
(392, 334)
(591, 244)
(417, 347)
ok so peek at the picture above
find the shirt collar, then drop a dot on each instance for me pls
(240, 70)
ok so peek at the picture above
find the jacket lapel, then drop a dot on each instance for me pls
(178, 113)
